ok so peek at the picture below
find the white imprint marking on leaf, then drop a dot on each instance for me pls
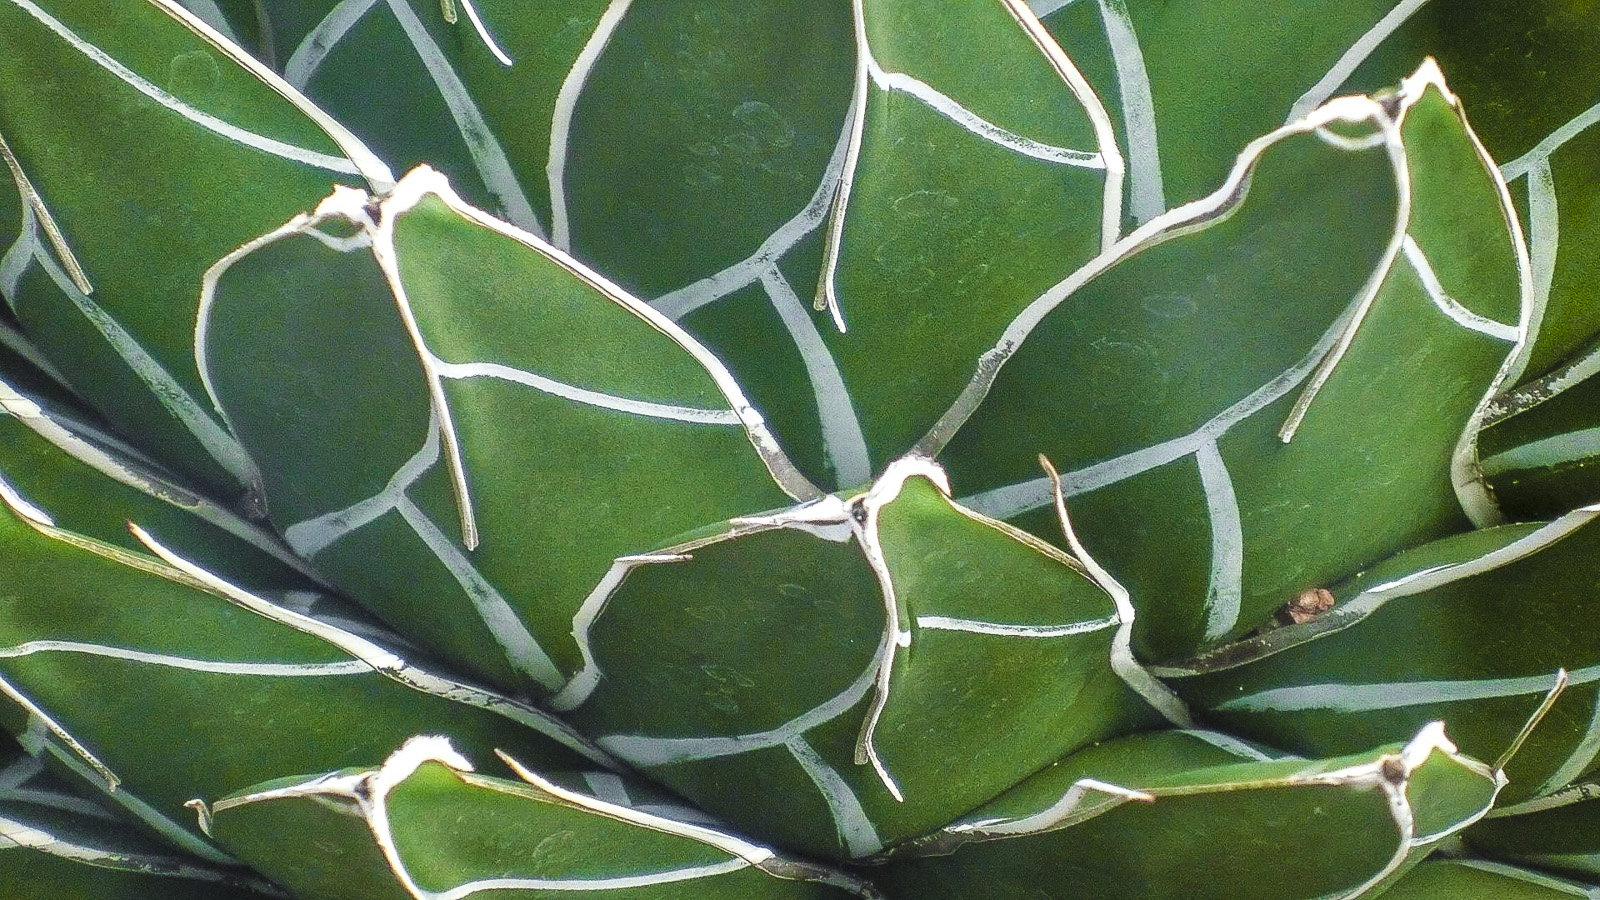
(1547, 452)
(855, 830)
(645, 752)
(1173, 223)
(312, 536)
(380, 658)
(1581, 758)
(495, 49)
(947, 623)
(1123, 662)
(1230, 744)
(1147, 196)
(582, 685)
(215, 667)
(1544, 240)
(994, 134)
(566, 109)
(1449, 305)
(585, 396)
(1528, 876)
(679, 303)
(1015, 499)
(518, 644)
(498, 175)
(842, 438)
(216, 441)
(203, 119)
(1225, 593)
(1540, 154)
(18, 835)
(321, 40)
(1353, 58)
(1065, 811)
(1348, 698)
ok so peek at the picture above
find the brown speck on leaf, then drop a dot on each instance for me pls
(1307, 605)
(1394, 771)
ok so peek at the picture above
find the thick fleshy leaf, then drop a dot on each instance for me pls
(159, 682)
(146, 147)
(1190, 816)
(94, 485)
(1530, 75)
(56, 844)
(424, 825)
(1471, 630)
(1189, 81)
(1473, 879)
(1541, 455)
(1265, 391)
(1560, 832)
(854, 660)
(535, 422)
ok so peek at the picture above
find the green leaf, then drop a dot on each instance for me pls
(145, 147)
(1541, 452)
(1473, 879)
(1471, 630)
(159, 682)
(536, 422)
(816, 675)
(1530, 74)
(238, 21)
(1224, 392)
(1559, 833)
(1192, 816)
(94, 485)
(425, 825)
(67, 847)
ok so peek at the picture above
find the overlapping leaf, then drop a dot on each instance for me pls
(845, 657)
(424, 825)
(1471, 629)
(1470, 879)
(1266, 390)
(1190, 82)
(532, 422)
(56, 844)
(145, 147)
(1541, 453)
(158, 682)
(1190, 816)
(1560, 833)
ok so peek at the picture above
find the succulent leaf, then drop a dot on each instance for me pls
(1218, 485)
(848, 655)
(475, 469)
(1206, 817)
(183, 120)
(1494, 605)
(425, 826)
(1558, 833)
(1472, 879)
(100, 681)
(1540, 454)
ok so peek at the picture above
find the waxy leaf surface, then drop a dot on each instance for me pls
(794, 673)
(160, 683)
(1192, 816)
(425, 826)
(146, 149)
(1266, 391)
(1470, 630)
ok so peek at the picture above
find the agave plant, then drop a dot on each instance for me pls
(662, 488)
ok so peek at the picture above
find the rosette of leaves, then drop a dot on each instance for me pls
(857, 448)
